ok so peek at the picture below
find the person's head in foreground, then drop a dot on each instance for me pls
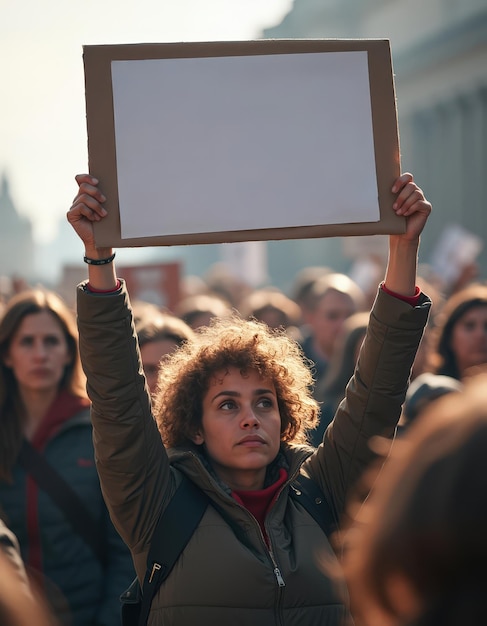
(417, 554)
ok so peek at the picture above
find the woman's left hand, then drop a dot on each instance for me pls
(411, 204)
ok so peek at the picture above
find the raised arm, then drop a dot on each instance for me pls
(403, 249)
(130, 457)
(375, 394)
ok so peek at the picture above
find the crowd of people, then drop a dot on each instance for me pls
(108, 407)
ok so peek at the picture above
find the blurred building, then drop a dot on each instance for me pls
(16, 242)
(439, 51)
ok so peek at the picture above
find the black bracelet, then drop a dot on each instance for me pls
(99, 261)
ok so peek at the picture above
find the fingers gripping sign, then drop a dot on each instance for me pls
(410, 203)
(86, 208)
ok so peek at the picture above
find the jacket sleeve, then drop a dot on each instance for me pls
(374, 396)
(130, 457)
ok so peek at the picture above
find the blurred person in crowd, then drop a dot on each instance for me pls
(233, 408)
(192, 285)
(222, 282)
(159, 335)
(274, 308)
(198, 310)
(416, 554)
(330, 390)
(45, 421)
(423, 390)
(302, 286)
(460, 333)
(333, 298)
(144, 310)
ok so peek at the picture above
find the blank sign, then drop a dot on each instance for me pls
(243, 142)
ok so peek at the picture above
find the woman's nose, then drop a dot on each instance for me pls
(249, 419)
(40, 349)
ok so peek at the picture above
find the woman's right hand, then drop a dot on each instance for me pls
(86, 210)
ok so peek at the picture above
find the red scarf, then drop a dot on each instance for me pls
(259, 502)
(64, 407)
(61, 410)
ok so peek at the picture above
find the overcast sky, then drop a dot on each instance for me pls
(42, 107)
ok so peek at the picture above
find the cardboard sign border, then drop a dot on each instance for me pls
(101, 133)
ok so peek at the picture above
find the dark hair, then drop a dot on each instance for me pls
(25, 303)
(443, 358)
(424, 389)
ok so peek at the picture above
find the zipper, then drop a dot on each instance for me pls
(277, 571)
(156, 567)
(275, 568)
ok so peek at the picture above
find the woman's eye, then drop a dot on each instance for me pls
(265, 403)
(227, 405)
(52, 340)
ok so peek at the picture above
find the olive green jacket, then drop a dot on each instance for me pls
(227, 574)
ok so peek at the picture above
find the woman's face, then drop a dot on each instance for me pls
(469, 338)
(38, 353)
(151, 354)
(327, 319)
(241, 427)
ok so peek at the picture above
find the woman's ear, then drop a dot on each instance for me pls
(198, 438)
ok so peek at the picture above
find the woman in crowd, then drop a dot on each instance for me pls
(417, 552)
(274, 308)
(45, 426)
(333, 298)
(233, 408)
(198, 310)
(461, 333)
(159, 334)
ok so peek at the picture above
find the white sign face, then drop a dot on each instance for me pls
(243, 142)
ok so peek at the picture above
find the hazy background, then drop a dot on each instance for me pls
(42, 106)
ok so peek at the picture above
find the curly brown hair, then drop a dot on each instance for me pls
(247, 345)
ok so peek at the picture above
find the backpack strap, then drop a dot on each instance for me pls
(176, 526)
(306, 491)
(173, 531)
(64, 496)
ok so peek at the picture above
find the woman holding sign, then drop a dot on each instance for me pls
(233, 409)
